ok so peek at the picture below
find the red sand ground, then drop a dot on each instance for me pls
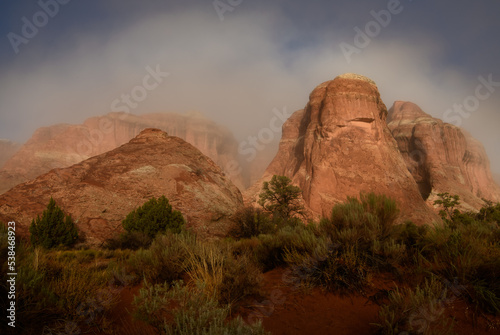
(286, 310)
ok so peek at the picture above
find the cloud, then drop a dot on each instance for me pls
(235, 72)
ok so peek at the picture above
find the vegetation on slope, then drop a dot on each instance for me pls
(194, 285)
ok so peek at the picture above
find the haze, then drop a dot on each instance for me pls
(262, 56)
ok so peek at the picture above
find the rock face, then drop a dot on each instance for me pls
(442, 157)
(7, 150)
(99, 192)
(64, 145)
(339, 146)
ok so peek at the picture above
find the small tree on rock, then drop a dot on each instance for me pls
(153, 217)
(449, 213)
(53, 229)
(280, 197)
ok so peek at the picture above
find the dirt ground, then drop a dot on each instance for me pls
(286, 309)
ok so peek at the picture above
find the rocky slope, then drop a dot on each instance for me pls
(339, 146)
(99, 192)
(64, 145)
(442, 157)
(7, 150)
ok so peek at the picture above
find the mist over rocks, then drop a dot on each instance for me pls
(100, 191)
(7, 150)
(442, 157)
(339, 145)
(63, 145)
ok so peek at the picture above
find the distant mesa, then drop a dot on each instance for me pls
(339, 145)
(63, 145)
(100, 191)
(442, 157)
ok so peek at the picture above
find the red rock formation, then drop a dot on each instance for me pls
(64, 145)
(100, 191)
(442, 157)
(339, 146)
(7, 150)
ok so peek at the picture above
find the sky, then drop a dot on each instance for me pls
(239, 61)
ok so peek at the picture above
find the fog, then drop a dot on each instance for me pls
(237, 71)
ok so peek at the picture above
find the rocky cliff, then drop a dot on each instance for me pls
(100, 191)
(442, 157)
(340, 145)
(64, 145)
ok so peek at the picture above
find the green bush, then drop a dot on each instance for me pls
(153, 217)
(129, 240)
(164, 261)
(227, 277)
(369, 226)
(362, 221)
(184, 311)
(489, 213)
(53, 229)
(270, 252)
(56, 287)
(250, 222)
(469, 253)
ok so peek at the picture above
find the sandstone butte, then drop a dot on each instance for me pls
(63, 145)
(339, 146)
(100, 191)
(442, 157)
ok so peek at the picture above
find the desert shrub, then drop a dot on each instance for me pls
(340, 272)
(129, 240)
(164, 260)
(368, 225)
(53, 229)
(418, 311)
(227, 277)
(153, 217)
(242, 278)
(490, 213)
(362, 221)
(250, 222)
(184, 311)
(411, 235)
(270, 252)
(470, 254)
(59, 287)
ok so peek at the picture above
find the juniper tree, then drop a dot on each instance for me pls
(53, 229)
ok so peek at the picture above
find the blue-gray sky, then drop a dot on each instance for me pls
(263, 55)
